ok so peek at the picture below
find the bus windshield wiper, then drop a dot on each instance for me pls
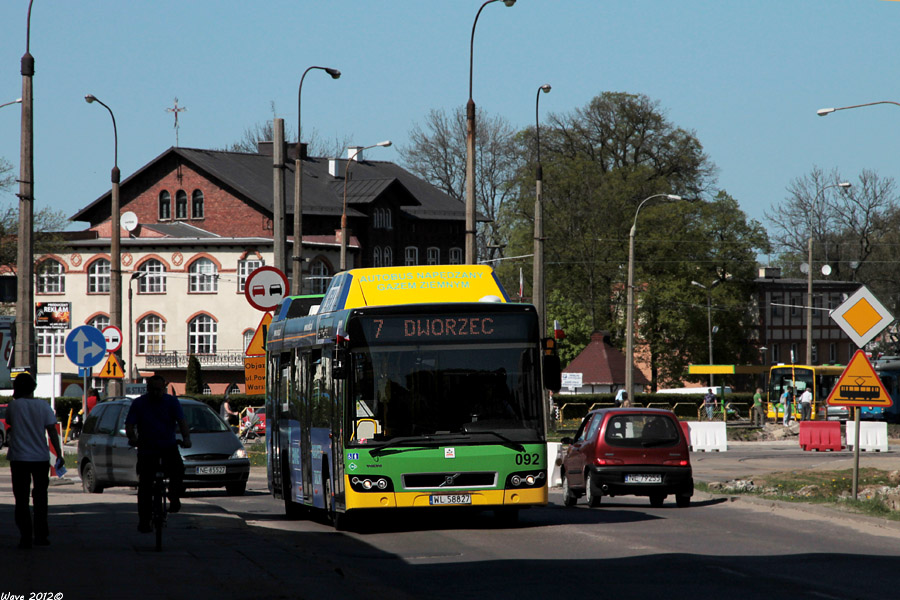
(506, 440)
(401, 441)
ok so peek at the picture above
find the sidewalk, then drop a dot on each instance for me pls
(97, 552)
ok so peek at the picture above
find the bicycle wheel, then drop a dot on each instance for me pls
(159, 511)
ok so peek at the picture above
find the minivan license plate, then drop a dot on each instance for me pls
(437, 499)
(655, 478)
(210, 470)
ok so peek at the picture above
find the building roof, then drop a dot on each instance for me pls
(601, 363)
(249, 177)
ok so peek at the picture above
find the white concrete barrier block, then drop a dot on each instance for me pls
(553, 477)
(873, 436)
(706, 437)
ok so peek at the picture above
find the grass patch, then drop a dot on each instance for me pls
(817, 487)
(256, 452)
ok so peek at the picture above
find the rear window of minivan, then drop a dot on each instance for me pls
(641, 431)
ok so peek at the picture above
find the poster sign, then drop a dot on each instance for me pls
(53, 315)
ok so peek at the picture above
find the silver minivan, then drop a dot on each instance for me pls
(216, 457)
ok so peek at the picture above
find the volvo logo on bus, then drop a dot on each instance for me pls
(449, 479)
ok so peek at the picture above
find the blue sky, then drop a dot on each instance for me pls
(747, 77)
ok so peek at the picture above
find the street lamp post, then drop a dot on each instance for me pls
(709, 327)
(25, 355)
(470, 148)
(538, 264)
(629, 307)
(822, 112)
(809, 278)
(344, 232)
(115, 253)
(16, 101)
(297, 255)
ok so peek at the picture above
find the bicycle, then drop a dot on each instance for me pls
(159, 500)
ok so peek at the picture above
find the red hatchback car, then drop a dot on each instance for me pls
(628, 451)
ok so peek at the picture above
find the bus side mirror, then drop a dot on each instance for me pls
(551, 370)
(339, 364)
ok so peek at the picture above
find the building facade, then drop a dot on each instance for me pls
(201, 222)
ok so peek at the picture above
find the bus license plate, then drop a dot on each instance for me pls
(440, 499)
(210, 470)
(655, 478)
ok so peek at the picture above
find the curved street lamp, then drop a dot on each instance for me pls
(827, 111)
(16, 101)
(629, 308)
(538, 264)
(350, 161)
(470, 148)
(297, 255)
(115, 252)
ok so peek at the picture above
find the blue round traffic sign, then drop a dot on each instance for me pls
(85, 346)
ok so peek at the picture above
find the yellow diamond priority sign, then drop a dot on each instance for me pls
(862, 316)
(859, 385)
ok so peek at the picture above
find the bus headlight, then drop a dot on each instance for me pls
(371, 483)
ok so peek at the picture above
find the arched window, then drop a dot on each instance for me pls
(165, 206)
(197, 205)
(434, 256)
(376, 257)
(377, 220)
(181, 205)
(51, 277)
(100, 322)
(153, 280)
(98, 277)
(386, 218)
(456, 256)
(319, 277)
(412, 256)
(248, 337)
(202, 335)
(245, 267)
(151, 335)
(388, 257)
(203, 277)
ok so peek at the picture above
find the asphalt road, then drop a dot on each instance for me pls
(242, 547)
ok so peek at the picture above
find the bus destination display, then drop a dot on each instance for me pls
(446, 328)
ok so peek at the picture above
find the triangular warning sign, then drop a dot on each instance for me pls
(859, 385)
(257, 346)
(112, 368)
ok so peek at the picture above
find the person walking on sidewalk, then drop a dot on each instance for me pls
(709, 403)
(757, 416)
(29, 422)
(150, 425)
(805, 405)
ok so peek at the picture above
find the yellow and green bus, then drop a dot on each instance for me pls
(409, 387)
(820, 379)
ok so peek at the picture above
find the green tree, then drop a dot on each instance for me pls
(48, 225)
(193, 382)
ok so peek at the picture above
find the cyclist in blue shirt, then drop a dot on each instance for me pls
(150, 425)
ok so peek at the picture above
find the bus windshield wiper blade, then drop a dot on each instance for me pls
(401, 441)
(506, 440)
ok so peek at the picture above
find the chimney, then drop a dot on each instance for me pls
(770, 272)
(336, 167)
(355, 153)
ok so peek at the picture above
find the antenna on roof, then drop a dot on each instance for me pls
(176, 109)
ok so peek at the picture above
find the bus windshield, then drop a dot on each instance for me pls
(407, 391)
(782, 378)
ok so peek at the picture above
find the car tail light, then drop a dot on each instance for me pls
(676, 463)
(610, 461)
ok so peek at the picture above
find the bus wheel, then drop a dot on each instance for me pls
(292, 510)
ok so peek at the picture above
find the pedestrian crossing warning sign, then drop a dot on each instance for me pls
(112, 368)
(859, 385)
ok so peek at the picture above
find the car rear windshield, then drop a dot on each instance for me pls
(641, 431)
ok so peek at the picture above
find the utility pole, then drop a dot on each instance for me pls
(278, 194)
